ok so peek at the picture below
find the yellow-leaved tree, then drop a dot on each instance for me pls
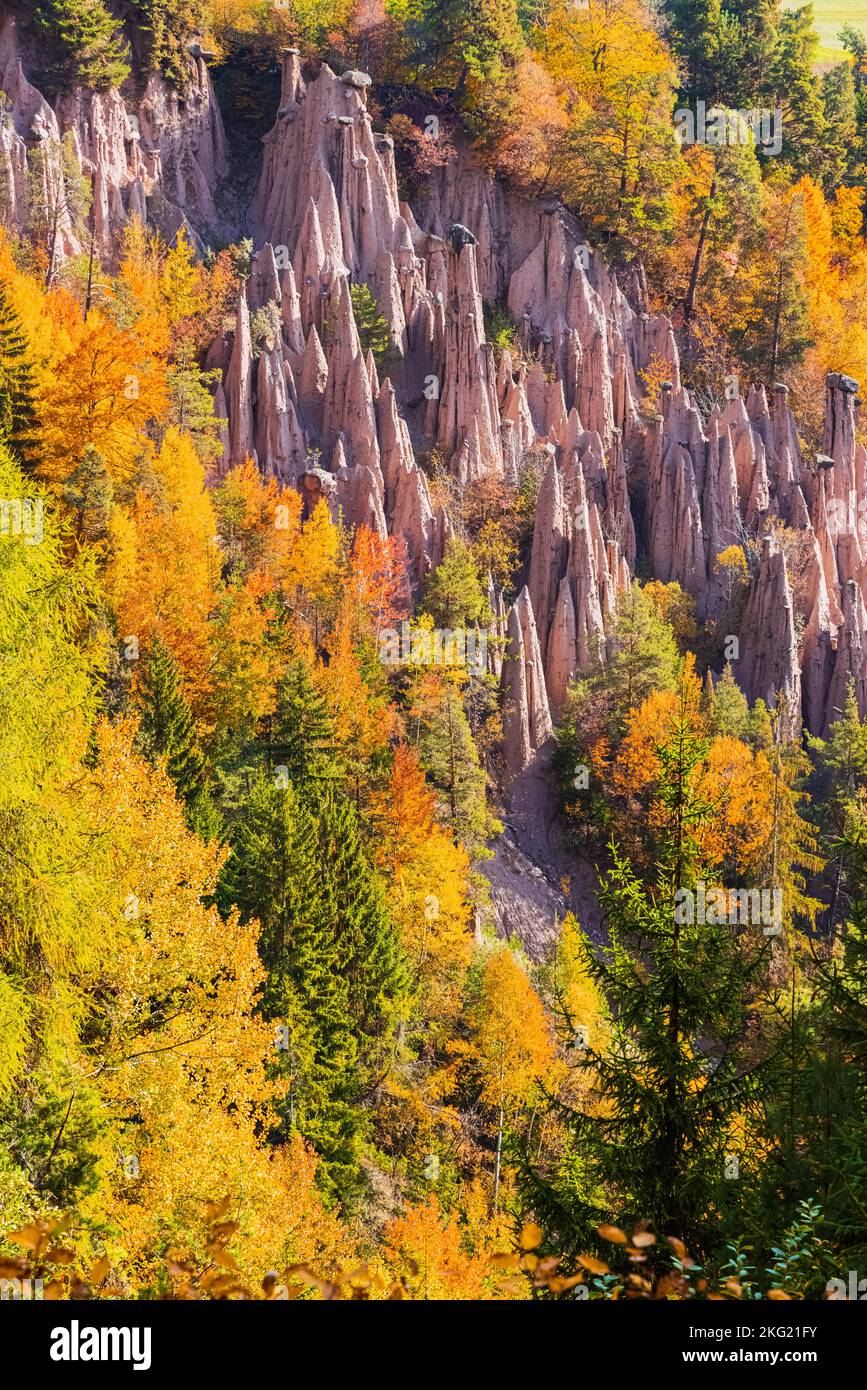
(510, 1048)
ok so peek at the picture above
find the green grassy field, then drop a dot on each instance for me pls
(831, 15)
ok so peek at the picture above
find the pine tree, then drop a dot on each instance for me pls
(167, 728)
(82, 44)
(675, 1074)
(18, 421)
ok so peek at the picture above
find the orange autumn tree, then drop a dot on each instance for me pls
(758, 834)
(425, 1249)
(102, 394)
(361, 716)
(164, 570)
(378, 580)
(259, 523)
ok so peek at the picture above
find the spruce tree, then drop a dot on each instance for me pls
(299, 735)
(277, 875)
(373, 329)
(839, 1148)
(325, 1102)
(450, 757)
(840, 777)
(728, 708)
(88, 491)
(167, 729)
(676, 1075)
(18, 422)
(364, 936)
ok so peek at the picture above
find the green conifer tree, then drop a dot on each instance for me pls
(373, 329)
(454, 596)
(839, 1144)
(330, 954)
(167, 728)
(18, 421)
(676, 1073)
(88, 491)
(82, 44)
(363, 934)
(729, 712)
(299, 735)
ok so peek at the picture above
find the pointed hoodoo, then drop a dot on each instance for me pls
(239, 385)
(467, 416)
(768, 668)
(550, 549)
(527, 723)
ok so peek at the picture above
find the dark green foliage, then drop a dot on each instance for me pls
(450, 758)
(360, 922)
(838, 783)
(645, 658)
(18, 421)
(167, 727)
(275, 875)
(52, 1129)
(81, 44)
(840, 155)
(456, 40)
(841, 1146)
(89, 493)
(726, 707)
(192, 408)
(298, 736)
(728, 46)
(335, 970)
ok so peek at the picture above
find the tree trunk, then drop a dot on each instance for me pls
(689, 302)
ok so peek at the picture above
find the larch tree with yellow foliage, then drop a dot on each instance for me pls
(616, 79)
(510, 1050)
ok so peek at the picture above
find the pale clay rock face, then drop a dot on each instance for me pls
(316, 412)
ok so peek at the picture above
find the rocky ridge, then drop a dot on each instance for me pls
(623, 476)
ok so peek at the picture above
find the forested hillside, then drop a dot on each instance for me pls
(433, 650)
